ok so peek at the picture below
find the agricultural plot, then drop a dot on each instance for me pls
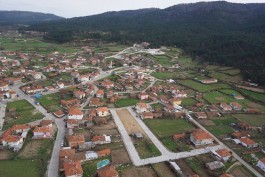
(254, 120)
(50, 102)
(126, 102)
(225, 77)
(202, 87)
(163, 75)
(188, 102)
(254, 95)
(163, 60)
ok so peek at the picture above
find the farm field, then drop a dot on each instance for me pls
(254, 120)
(127, 102)
(163, 60)
(202, 87)
(188, 102)
(51, 102)
(163, 75)
(254, 95)
(163, 170)
(225, 77)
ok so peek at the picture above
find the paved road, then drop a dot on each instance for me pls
(53, 167)
(2, 114)
(166, 155)
(249, 167)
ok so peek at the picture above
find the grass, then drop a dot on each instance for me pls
(163, 75)
(254, 120)
(196, 166)
(222, 126)
(188, 102)
(90, 167)
(147, 149)
(24, 113)
(19, 168)
(169, 143)
(163, 60)
(217, 97)
(157, 105)
(126, 102)
(202, 87)
(162, 169)
(168, 127)
(51, 102)
(225, 77)
(232, 71)
(254, 95)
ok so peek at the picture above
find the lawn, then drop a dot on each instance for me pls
(225, 77)
(19, 168)
(254, 120)
(163, 60)
(146, 149)
(90, 167)
(126, 102)
(196, 166)
(222, 126)
(188, 102)
(50, 102)
(168, 127)
(202, 87)
(230, 92)
(24, 113)
(163, 75)
(254, 95)
(217, 97)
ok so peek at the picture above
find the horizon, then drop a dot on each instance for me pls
(69, 10)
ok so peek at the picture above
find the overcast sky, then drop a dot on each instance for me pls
(74, 8)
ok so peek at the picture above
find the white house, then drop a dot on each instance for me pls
(200, 137)
(60, 85)
(36, 75)
(261, 164)
(12, 140)
(222, 154)
(4, 87)
(102, 111)
(248, 143)
(84, 78)
(42, 132)
(75, 113)
(101, 139)
(141, 107)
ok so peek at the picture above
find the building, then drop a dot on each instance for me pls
(236, 106)
(66, 153)
(104, 152)
(200, 137)
(107, 171)
(102, 111)
(209, 81)
(4, 87)
(12, 140)
(75, 113)
(75, 140)
(200, 115)
(79, 94)
(42, 132)
(143, 96)
(142, 107)
(225, 107)
(226, 175)
(100, 94)
(261, 164)
(222, 154)
(104, 139)
(73, 169)
(147, 115)
(214, 165)
(248, 143)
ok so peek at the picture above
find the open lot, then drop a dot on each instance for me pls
(51, 102)
(138, 171)
(19, 168)
(202, 87)
(162, 169)
(120, 156)
(240, 171)
(126, 102)
(163, 60)
(168, 127)
(188, 102)
(254, 95)
(254, 120)
(163, 75)
(20, 112)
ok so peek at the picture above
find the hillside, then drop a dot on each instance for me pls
(25, 18)
(217, 32)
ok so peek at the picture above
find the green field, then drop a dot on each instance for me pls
(231, 71)
(225, 77)
(126, 102)
(50, 102)
(33, 45)
(19, 168)
(217, 97)
(146, 149)
(255, 95)
(254, 120)
(230, 92)
(163, 60)
(202, 87)
(168, 127)
(163, 75)
(24, 113)
(188, 102)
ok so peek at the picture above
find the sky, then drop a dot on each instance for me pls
(76, 8)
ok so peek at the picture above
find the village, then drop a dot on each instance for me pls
(112, 110)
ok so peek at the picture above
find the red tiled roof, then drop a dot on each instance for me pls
(73, 168)
(107, 171)
(201, 135)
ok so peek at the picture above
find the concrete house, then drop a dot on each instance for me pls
(261, 164)
(75, 113)
(199, 137)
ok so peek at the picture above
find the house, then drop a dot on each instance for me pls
(225, 107)
(222, 154)
(200, 115)
(75, 140)
(104, 152)
(107, 171)
(248, 143)
(60, 85)
(101, 139)
(100, 94)
(20, 128)
(102, 111)
(209, 81)
(36, 75)
(214, 165)
(72, 123)
(143, 96)
(12, 140)
(107, 84)
(73, 169)
(110, 94)
(239, 135)
(147, 115)
(42, 132)
(75, 113)
(58, 113)
(141, 107)
(261, 164)
(84, 78)
(175, 102)
(238, 97)
(4, 86)
(79, 94)
(46, 123)
(200, 137)
(66, 152)
(236, 106)
(90, 155)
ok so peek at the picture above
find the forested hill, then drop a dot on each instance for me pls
(220, 32)
(25, 18)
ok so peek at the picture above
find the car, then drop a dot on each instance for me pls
(62, 144)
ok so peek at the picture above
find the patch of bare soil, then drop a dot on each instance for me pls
(120, 156)
(219, 98)
(30, 150)
(129, 122)
(5, 154)
(139, 172)
(207, 122)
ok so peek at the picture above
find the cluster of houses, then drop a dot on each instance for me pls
(14, 137)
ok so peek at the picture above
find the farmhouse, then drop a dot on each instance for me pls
(101, 139)
(12, 140)
(248, 143)
(200, 137)
(102, 111)
(236, 106)
(73, 169)
(142, 107)
(222, 154)
(200, 115)
(42, 132)
(261, 164)
(225, 107)
(75, 113)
